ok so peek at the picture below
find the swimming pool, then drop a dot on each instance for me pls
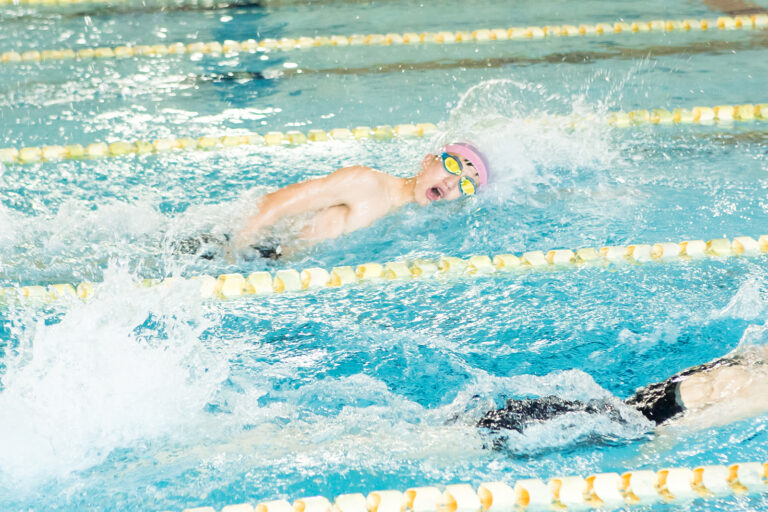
(154, 399)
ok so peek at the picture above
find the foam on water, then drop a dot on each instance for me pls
(566, 430)
(106, 374)
(77, 235)
(109, 220)
(358, 423)
(332, 414)
(77, 240)
(7, 227)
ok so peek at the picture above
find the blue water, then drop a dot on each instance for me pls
(156, 400)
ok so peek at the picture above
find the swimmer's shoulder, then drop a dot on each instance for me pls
(360, 179)
(357, 171)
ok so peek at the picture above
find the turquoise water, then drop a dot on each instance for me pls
(156, 400)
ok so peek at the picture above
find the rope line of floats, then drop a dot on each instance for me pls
(233, 286)
(721, 114)
(742, 22)
(606, 491)
(137, 6)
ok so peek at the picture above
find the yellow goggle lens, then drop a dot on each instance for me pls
(467, 187)
(452, 165)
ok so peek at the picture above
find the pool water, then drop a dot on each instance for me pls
(153, 399)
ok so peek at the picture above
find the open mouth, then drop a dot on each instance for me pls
(435, 193)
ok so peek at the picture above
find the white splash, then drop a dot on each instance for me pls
(623, 423)
(754, 336)
(526, 132)
(125, 367)
(746, 304)
(112, 220)
(7, 227)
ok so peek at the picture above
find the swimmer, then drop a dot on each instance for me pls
(348, 199)
(722, 391)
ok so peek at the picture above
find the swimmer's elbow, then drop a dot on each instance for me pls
(271, 208)
(261, 218)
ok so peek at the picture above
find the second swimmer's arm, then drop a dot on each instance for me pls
(723, 395)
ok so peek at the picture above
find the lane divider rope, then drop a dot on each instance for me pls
(125, 4)
(606, 491)
(721, 114)
(743, 22)
(29, 155)
(233, 286)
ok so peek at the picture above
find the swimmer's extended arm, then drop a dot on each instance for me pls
(722, 383)
(724, 401)
(341, 187)
(729, 393)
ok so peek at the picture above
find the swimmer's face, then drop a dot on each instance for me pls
(434, 183)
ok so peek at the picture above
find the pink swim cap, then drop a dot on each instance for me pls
(471, 153)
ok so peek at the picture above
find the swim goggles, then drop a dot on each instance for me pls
(452, 165)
